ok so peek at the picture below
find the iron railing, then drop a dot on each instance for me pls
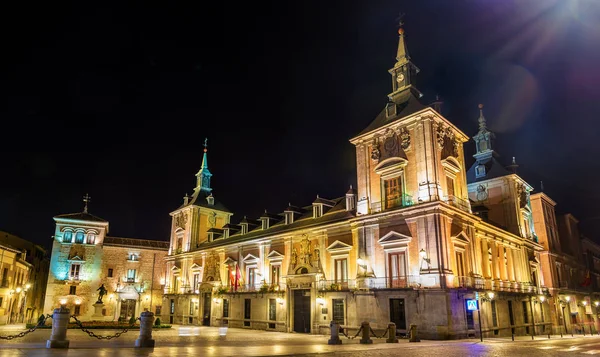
(458, 203)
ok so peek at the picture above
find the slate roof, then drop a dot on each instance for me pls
(138, 243)
(337, 213)
(408, 104)
(81, 216)
(493, 169)
(200, 200)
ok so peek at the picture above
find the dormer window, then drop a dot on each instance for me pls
(244, 228)
(210, 199)
(265, 223)
(317, 210)
(289, 217)
(479, 171)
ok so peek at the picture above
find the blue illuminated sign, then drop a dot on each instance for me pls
(472, 305)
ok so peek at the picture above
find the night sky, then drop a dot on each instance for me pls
(116, 101)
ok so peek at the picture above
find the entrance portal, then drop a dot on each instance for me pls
(302, 311)
(127, 309)
(206, 309)
(398, 313)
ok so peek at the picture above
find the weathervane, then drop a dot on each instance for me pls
(400, 19)
(205, 144)
(86, 199)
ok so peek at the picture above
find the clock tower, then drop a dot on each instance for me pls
(403, 73)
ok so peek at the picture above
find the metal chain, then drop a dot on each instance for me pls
(357, 333)
(92, 334)
(23, 333)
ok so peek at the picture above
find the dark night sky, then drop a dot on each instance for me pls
(116, 101)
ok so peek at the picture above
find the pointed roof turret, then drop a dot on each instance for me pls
(402, 54)
(204, 175)
(484, 139)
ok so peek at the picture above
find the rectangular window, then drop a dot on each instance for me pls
(196, 281)
(494, 314)
(251, 277)
(397, 269)
(77, 310)
(272, 309)
(1, 300)
(74, 272)
(393, 192)
(338, 310)
(131, 275)
(470, 320)
(341, 271)
(450, 184)
(172, 306)
(158, 310)
(110, 273)
(72, 290)
(247, 311)
(193, 307)
(525, 316)
(275, 274)
(460, 265)
(225, 307)
(5, 278)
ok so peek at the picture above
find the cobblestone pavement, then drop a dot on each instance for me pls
(205, 341)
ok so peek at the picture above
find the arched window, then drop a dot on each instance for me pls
(91, 238)
(79, 237)
(67, 237)
(302, 271)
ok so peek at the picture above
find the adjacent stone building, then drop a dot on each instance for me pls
(33, 288)
(15, 274)
(84, 258)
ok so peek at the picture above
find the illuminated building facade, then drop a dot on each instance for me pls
(84, 258)
(15, 272)
(31, 286)
(418, 237)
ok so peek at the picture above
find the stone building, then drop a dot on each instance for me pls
(34, 288)
(416, 242)
(84, 258)
(15, 272)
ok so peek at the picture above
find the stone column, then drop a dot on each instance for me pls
(510, 263)
(517, 265)
(495, 271)
(145, 338)
(485, 265)
(503, 262)
(60, 321)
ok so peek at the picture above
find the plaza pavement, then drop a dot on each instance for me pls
(206, 341)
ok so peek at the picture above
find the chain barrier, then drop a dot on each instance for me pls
(382, 336)
(41, 322)
(92, 334)
(353, 337)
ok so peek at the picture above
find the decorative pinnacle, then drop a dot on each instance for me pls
(86, 199)
(482, 122)
(205, 144)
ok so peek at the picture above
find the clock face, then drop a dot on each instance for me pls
(400, 77)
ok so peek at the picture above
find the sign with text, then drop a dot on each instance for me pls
(472, 305)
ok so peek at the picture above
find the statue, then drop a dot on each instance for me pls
(102, 291)
(294, 257)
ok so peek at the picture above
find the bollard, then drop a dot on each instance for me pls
(413, 334)
(366, 331)
(391, 333)
(60, 321)
(335, 334)
(146, 321)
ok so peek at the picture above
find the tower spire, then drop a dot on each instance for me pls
(483, 139)
(204, 175)
(403, 72)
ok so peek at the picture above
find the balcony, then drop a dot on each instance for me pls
(131, 280)
(458, 203)
(404, 201)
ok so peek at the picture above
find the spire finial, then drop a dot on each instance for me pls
(482, 122)
(205, 144)
(86, 199)
(513, 166)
